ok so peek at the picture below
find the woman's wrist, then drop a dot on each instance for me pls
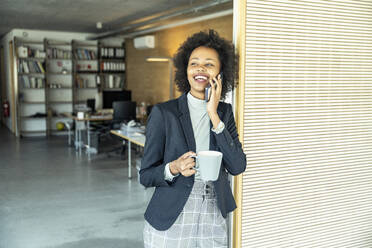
(215, 119)
(172, 168)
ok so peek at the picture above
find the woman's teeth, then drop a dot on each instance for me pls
(200, 78)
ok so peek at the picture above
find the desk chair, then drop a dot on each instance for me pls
(123, 111)
(70, 126)
(91, 103)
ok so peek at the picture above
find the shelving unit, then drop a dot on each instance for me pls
(58, 83)
(54, 77)
(85, 70)
(31, 108)
(111, 66)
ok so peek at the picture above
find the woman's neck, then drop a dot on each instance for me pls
(197, 95)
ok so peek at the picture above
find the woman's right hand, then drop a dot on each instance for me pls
(184, 165)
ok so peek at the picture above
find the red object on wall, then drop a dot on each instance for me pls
(6, 108)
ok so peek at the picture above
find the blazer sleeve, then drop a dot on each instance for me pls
(152, 164)
(234, 159)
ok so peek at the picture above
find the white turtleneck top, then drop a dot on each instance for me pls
(201, 126)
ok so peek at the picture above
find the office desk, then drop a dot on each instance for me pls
(136, 138)
(79, 127)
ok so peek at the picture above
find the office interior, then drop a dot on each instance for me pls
(303, 114)
(61, 194)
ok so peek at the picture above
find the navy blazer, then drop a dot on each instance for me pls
(169, 135)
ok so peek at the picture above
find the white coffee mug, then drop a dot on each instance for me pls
(208, 164)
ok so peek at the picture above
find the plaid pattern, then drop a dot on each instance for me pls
(200, 224)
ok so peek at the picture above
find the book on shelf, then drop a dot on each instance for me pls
(32, 82)
(112, 66)
(120, 53)
(84, 83)
(39, 82)
(40, 54)
(85, 54)
(31, 67)
(112, 82)
(40, 66)
(25, 81)
(24, 67)
(110, 53)
(34, 67)
(57, 53)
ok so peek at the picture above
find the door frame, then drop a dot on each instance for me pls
(2, 83)
(13, 88)
(239, 33)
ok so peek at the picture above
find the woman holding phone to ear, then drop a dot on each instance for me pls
(185, 211)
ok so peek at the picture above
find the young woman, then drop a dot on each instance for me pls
(185, 211)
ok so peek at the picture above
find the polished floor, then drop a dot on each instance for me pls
(50, 197)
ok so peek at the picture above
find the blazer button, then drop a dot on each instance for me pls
(231, 144)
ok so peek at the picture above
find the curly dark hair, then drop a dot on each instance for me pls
(210, 39)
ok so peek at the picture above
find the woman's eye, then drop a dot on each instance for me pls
(193, 64)
(209, 65)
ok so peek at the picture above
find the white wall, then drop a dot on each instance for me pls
(38, 35)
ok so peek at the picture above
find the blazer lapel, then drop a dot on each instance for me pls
(186, 122)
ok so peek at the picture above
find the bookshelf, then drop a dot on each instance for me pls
(31, 108)
(55, 77)
(85, 70)
(59, 98)
(111, 66)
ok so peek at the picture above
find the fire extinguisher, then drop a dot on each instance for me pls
(6, 108)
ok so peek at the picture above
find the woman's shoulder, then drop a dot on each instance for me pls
(167, 105)
(170, 106)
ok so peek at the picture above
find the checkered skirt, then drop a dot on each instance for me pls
(200, 224)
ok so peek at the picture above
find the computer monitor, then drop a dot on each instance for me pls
(108, 97)
(124, 111)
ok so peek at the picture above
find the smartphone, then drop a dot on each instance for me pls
(207, 91)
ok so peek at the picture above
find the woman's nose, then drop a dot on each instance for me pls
(201, 68)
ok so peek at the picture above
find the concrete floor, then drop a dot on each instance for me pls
(52, 198)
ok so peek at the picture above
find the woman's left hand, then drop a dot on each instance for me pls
(216, 88)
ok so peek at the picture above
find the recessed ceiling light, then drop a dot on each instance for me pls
(99, 25)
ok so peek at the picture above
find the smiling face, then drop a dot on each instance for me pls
(204, 64)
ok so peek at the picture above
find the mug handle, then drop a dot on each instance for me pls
(195, 157)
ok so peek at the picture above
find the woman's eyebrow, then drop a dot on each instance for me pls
(196, 58)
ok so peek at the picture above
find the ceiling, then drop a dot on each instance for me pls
(82, 15)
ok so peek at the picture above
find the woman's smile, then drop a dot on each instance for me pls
(201, 78)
